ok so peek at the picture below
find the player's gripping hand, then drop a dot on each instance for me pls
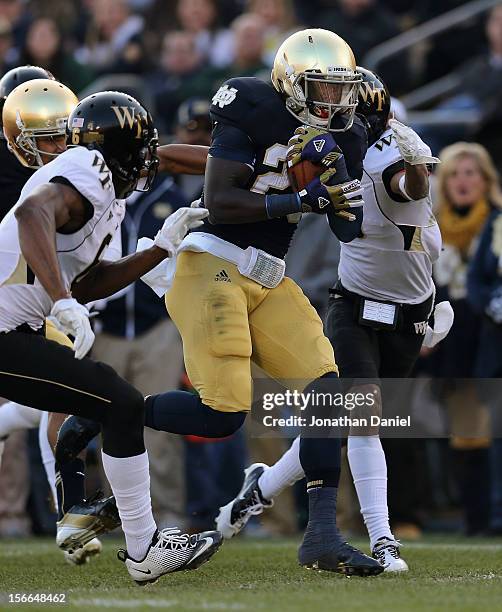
(176, 226)
(411, 146)
(74, 321)
(323, 194)
(314, 145)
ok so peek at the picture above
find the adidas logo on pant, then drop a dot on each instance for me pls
(222, 276)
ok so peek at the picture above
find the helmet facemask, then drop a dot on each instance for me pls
(137, 171)
(317, 98)
(26, 141)
(149, 163)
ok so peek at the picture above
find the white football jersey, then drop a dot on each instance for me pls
(393, 260)
(22, 297)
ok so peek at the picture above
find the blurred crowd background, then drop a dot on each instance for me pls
(443, 61)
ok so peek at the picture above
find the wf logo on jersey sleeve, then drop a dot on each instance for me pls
(105, 176)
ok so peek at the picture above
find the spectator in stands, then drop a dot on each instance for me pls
(199, 17)
(279, 19)
(193, 126)
(467, 189)
(249, 39)
(365, 24)
(114, 39)
(44, 47)
(18, 15)
(8, 55)
(178, 77)
(137, 338)
(484, 284)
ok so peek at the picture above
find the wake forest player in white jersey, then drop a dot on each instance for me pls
(51, 262)
(391, 263)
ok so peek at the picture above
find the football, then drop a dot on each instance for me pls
(302, 173)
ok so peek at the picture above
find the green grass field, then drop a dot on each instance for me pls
(446, 574)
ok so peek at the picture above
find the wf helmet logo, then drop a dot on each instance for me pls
(366, 90)
(124, 113)
(224, 96)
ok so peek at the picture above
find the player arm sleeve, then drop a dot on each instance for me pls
(387, 176)
(229, 142)
(346, 230)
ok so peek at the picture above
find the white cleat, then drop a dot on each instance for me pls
(172, 551)
(386, 552)
(233, 517)
(82, 555)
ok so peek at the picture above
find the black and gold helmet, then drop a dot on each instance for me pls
(35, 109)
(315, 71)
(16, 76)
(122, 129)
(373, 106)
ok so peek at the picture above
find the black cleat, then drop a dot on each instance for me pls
(233, 517)
(83, 522)
(323, 547)
(343, 559)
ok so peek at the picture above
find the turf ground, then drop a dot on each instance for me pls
(446, 574)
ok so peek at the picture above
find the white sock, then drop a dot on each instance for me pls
(284, 473)
(14, 417)
(369, 471)
(47, 455)
(129, 478)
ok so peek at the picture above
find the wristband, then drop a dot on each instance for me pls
(278, 205)
(402, 187)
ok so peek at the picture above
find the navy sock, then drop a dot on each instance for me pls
(182, 412)
(320, 449)
(322, 534)
(70, 485)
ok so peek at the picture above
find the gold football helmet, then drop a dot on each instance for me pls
(34, 109)
(315, 71)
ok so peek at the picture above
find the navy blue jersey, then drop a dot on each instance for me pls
(251, 125)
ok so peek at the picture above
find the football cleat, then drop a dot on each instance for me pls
(172, 551)
(323, 549)
(83, 555)
(386, 552)
(233, 517)
(85, 521)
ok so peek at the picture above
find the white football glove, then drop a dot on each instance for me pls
(411, 146)
(176, 226)
(73, 318)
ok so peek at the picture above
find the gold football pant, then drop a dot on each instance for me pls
(227, 320)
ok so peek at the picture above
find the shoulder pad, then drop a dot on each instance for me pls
(237, 97)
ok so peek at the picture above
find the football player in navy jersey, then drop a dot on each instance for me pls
(229, 297)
